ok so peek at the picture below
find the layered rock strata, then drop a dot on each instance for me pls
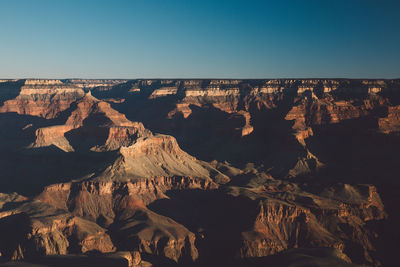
(33, 228)
(43, 98)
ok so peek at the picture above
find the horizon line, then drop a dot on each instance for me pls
(206, 78)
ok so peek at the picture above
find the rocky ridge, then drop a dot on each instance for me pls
(91, 117)
(44, 98)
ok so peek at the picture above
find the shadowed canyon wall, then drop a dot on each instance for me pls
(203, 172)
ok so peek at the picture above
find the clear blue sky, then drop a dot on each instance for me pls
(199, 38)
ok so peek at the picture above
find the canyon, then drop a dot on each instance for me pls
(199, 172)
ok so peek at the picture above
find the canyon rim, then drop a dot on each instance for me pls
(199, 172)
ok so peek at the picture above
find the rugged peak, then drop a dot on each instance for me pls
(157, 156)
(90, 96)
(151, 145)
(95, 119)
(90, 110)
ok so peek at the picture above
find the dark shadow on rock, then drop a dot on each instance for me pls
(84, 138)
(76, 261)
(18, 131)
(10, 90)
(209, 133)
(28, 171)
(355, 152)
(216, 218)
(13, 228)
(355, 148)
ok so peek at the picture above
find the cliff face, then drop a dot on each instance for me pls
(313, 102)
(44, 98)
(33, 228)
(240, 113)
(148, 232)
(320, 101)
(156, 156)
(291, 218)
(391, 123)
(91, 118)
(243, 169)
(121, 207)
(94, 200)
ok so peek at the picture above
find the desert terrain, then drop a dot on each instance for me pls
(180, 172)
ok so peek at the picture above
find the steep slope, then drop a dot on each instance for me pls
(121, 207)
(334, 217)
(264, 216)
(33, 228)
(150, 233)
(146, 167)
(156, 156)
(95, 125)
(117, 196)
(43, 98)
(91, 121)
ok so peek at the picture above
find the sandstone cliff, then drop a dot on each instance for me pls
(44, 98)
(91, 118)
(289, 218)
(33, 228)
(121, 207)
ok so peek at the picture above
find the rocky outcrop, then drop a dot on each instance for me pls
(289, 218)
(156, 156)
(280, 226)
(43, 98)
(147, 167)
(311, 112)
(33, 228)
(391, 123)
(154, 234)
(164, 91)
(53, 135)
(122, 206)
(96, 200)
(117, 196)
(91, 118)
(122, 136)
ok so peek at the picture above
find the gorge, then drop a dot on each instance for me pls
(200, 172)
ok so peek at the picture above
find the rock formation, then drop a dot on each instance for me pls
(289, 217)
(33, 228)
(243, 172)
(91, 118)
(44, 98)
(121, 207)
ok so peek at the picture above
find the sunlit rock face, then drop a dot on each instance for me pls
(44, 98)
(300, 219)
(93, 118)
(33, 228)
(121, 207)
(214, 172)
